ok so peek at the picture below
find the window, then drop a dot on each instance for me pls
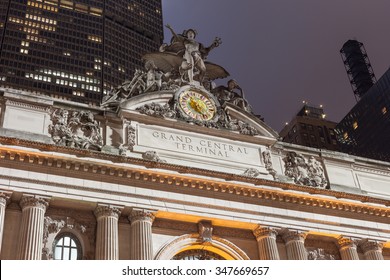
(67, 247)
(197, 254)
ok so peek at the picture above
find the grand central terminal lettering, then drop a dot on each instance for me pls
(200, 146)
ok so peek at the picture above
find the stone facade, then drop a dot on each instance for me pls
(128, 185)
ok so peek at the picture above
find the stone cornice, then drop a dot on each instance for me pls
(109, 168)
(234, 191)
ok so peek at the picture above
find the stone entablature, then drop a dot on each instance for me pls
(273, 160)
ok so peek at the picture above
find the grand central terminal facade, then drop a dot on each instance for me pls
(171, 167)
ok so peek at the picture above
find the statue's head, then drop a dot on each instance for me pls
(190, 33)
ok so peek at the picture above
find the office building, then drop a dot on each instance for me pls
(365, 130)
(310, 128)
(75, 50)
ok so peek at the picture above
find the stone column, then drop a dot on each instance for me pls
(347, 248)
(31, 230)
(372, 249)
(107, 244)
(141, 246)
(266, 241)
(3, 203)
(295, 244)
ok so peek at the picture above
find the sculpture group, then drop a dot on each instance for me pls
(182, 62)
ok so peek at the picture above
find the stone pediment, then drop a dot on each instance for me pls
(162, 104)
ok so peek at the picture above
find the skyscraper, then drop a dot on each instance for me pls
(365, 130)
(311, 128)
(75, 50)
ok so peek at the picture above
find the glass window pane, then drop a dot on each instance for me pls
(66, 254)
(57, 253)
(60, 242)
(73, 244)
(73, 254)
(66, 241)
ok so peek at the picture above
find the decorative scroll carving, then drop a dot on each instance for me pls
(309, 173)
(30, 201)
(152, 156)
(80, 130)
(319, 254)
(205, 230)
(141, 215)
(346, 242)
(370, 245)
(106, 211)
(131, 136)
(268, 163)
(251, 172)
(292, 235)
(261, 231)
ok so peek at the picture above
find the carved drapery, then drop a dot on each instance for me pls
(107, 247)
(31, 232)
(141, 247)
(266, 241)
(295, 244)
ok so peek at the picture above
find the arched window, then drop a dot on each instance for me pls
(67, 247)
(197, 254)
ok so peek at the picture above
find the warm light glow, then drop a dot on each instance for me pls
(209, 248)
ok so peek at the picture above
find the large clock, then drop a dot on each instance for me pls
(197, 104)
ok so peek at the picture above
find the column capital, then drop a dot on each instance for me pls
(34, 201)
(104, 210)
(370, 245)
(4, 197)
(261, 231)
(345, 242)
(141, 215)
(289, 235)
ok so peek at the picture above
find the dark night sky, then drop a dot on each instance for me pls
(282, 52)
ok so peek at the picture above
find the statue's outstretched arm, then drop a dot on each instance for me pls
(172, 31)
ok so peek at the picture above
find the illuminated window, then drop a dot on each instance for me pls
(95, 38)
(345, 135)
(355, 125)
(67, 247)
(384, 110)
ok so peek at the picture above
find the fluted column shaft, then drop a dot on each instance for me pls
(31, 231)
(295, 244)
(372, 250)
(266, 241)
(107, 243)
(141, 235)
(347, 249)
(3, 203)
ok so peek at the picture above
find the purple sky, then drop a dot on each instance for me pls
(284, 52)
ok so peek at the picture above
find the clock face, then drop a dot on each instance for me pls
(197, 105)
